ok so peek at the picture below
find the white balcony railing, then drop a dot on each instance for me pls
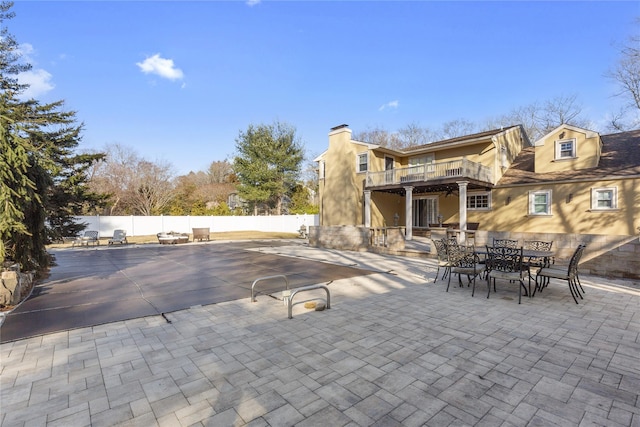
(462, 168)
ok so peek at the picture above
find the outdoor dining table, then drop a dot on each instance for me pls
(527, 254)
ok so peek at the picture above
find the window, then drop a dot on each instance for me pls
(416, 163)
(479, 201)
(604, 198)
(566, 149)
(540, 202)
(363, 162)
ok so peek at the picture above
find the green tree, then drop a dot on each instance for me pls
(39, 172)
(301, 202)
(55, 136)
(17, 187)
(267, 163)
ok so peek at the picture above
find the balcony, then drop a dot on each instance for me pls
(434, 172)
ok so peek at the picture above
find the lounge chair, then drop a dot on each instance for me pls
(200, 233)
(119, 236)
(90, 237)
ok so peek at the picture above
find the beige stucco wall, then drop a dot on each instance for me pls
(588, 149)
(341, 192)
(501, 158)
(383, 208)
(570, 209)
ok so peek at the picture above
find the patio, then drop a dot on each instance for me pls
(394, 349)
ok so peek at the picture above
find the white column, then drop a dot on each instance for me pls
(462, 210)
(367, 208)
(408, 217)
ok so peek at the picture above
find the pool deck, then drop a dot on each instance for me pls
(395, 349)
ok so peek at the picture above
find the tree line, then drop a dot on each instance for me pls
(46, 180)
(265, 176)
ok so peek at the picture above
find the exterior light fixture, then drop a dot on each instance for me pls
(508, 199)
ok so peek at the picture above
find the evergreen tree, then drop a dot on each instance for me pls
(301, 201)
(16, 188)
(267, 163)
(39, 172)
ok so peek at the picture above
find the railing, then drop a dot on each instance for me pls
(260, 279)
(378, 236)
(462, 168)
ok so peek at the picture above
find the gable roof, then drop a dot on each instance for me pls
(588, 133)
(620, 157)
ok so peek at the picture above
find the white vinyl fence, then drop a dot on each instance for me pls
(150, 225)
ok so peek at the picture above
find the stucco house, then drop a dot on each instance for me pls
(572, 185)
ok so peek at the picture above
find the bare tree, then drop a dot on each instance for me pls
(409, 136)
(114, 176)
(379, 136)
(413, 135)
(538, 118)
(152, 189)
(457, 127)
(563, 109)
(626, 75)
(220, 171)
(136, 185)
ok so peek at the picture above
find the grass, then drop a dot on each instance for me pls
(224, 235)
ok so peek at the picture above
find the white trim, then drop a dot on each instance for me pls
(558, 148)
(594, 198)
(532, 197)
(358, 155)
(588, 133)
(480, 193)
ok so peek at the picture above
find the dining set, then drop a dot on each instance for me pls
(507, 260)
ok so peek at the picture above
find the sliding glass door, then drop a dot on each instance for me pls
(425, 211)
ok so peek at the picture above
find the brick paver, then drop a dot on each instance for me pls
(394, 349)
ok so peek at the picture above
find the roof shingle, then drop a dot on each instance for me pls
(620, 157)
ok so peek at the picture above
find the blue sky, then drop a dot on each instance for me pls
(178, 81)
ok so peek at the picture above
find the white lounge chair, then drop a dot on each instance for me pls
(90, 237)
(119, 236)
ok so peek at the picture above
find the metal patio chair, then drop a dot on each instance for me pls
(569, 273)
(464, 260)
(506, 264)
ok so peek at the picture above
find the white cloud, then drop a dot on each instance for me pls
(160, 66)
(38, 79)
(39, 82)
(391, 104)
(253, 2)
(25, 50)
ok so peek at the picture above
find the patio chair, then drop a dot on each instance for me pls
(89, 237)
(536, 262)
(201, 233)
(119, 236)
(443, 258)
(464, 260)
(505, 263)
(506, 243)
(570, 274)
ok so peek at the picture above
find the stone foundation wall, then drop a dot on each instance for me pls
(607, 256)
(352, 238)
(343, 237)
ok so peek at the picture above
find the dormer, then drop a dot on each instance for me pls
(567, 148)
